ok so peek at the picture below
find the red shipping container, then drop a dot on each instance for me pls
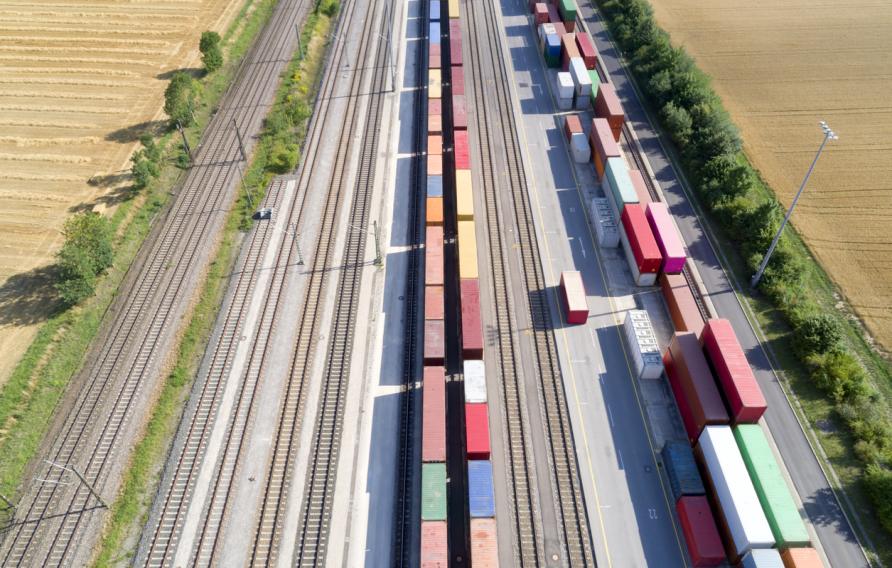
(458, 80)
(587, 49)
(471, 325)
(433, 256)
(692, 382)
(540, 13)
(641, 239)
(568, 49)
(455, 49)
(459, 112)
(434, 305)
(434, 553)
(484, 546)
(454, 30)
(640, 188)
(739, 385)
(434, 165)
(434, 342)
(435, 144)
(433, 415)
(573, 292)
(700, 531)
(572, 125)
(681, 303)
(434, 106)
(603, 145)
(462, 153)
(607, 106)
(554, 16)
(477, 430)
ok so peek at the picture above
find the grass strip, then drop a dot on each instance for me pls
(130, 510)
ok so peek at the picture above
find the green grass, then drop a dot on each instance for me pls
(130, 510)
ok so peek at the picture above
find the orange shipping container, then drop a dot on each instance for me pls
(467, 250)
(640, 187)
(435, 145)
(435, 123)
(681, 303)
(484, 547)
(434, 211)
(801, 558)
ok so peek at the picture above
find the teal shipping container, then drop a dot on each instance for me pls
(433, 492)
(596, 82)
(621, 188)
(567, 9)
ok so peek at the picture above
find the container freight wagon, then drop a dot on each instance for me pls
(573, 296)
(606, 228)
(459, 112)
(739, 514)
(458, 80)
(475, 380)
(455, 57)
(783, 516)
(434, 10)
(464, 195)
(434, 116)
(433, 415)
(453, 9)
(471, 324)
(682, 306)
(434, 342)
(700, 532)
(640, 246)
(681, 469)
(462, 151)
(434, 551)
(435, 186)
(481, 502)
(477, 431)
(692, 384)
(642, 343)
(668, 239)
(434, 57)
(603, 145)
(726, 357)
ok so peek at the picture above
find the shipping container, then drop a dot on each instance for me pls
(738, 505)
(579, 149)
(644, 246)
(607, 106)
(434, 550)
(434, 211)
(434, 186)
(434, 33)
(434, 306)
(433, 416)
(435, 144)
(681, 469)
(726, 358)
(606, 228)
(462, 152)
(700, 532)
(564, 90)
(682, 306)
(458, 80)
(433, 255)
(434, 10)
(640, 187)
(434, 164)
(572, 125)
(475, 380)
(801, 558)
(433, 492)
(434, 342)
(453, 9)
(567, 9)
(568, 49)
(467, 250)
(560, 29)
(552, 50)
(668, 239)
(762, 558)
(484, 546)
(477, 430)
(573, 295)
(454, 29)
(692, 384)
(544, 30)
(435, 122)
(464, 195)
(434, 60)
(587, 49)
(554, 16)
(619, 185)
(582, 83)
(459, 112)
(481, 502)
(643, 346)
(783, 516)
(434, 84)
(471, 324)
(540, 13)
(434, 106)
(640, 278)
(603, 145)
(455, 49)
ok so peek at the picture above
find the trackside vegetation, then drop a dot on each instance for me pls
(826, 345)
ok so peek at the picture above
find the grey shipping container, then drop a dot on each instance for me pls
(681, 469)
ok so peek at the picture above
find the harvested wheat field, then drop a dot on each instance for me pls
(77, 79)
(780, 67)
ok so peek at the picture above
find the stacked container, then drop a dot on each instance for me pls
(682, 306)
(540, 13)
(605, 223)
(739, 387)
(640, 187)
(640, 246)
(573, 295)
(700, 532)
(668, 239)
(567, 9)
(582, 83)
(681, 469)
(475, 381)
(607, 106)
(550, 44)
(564, 90)
(569, 50)
(603, 145)
(692, 384)
(643, 344)
(575, 136)
(596, 83)
(619, 185)
(587, 49)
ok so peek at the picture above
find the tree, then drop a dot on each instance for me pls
(678, 122)
(179, 99)
(86, 253)
(817, 333)
(146, 162)
(878, 482)
(211, 53)
(76, 277)
(723, 179)
(839, 374)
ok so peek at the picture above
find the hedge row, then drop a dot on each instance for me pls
(709, 148)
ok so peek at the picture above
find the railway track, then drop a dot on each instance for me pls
(497, 129)
(132, 351)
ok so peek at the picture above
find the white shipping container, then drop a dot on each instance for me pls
(579, 148)
(734, 490)
(605, 223)
(582, 81)
(643, 344)
(646, 279)
(564, 86)
(544, 30)
(565, 104)
(475, 381)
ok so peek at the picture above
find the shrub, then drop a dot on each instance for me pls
(86, 253)
(878, 483)
(283, 157)
(329, 7)
(839, 374)
(76, 278)
(817, 333)
(211, 53)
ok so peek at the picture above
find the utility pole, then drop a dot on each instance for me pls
(300, 50)
(82, 479)
(241, 144)
(244, 186)
(185, 141)
(378, 260)
(828, 135)
(296, 236)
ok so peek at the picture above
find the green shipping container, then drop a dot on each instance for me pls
(777, 502)
(567, 8)
(621, 188)
(552, 60)
(433, 492)
(596, 82)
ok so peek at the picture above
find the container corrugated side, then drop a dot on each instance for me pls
(434, 550)
(739, 385)
(464, 195)
(481, 502)
(467, 250)
(573, 292)
(433, 415)
(620, 185)
(434, 342)
(641, 239)
(605, 223)
(475, 380)
(692, 384)
(477, 431)
(682, 306)
(603, 145)
(771, 487)
(643, 346)
(762, 558)
(434, 305)
(433, 255)
(681, 469)
(733, 490)
(668, 238)
(801, 558)
(587, 49)
(484, 545)
(700, 532)
(458, 80)
(433, 492)
(471, 323)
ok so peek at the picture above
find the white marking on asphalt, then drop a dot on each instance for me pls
(609, 416)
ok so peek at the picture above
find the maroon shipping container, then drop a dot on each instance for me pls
(603, 145)
(587, 49)
(434, 342)
(477, 430)
(434, 553)
(726, 357)
(459, 112)
(433, 415)
(640, 187)
(471, 325)
(433, 256)
(553, 15)
(455, 48)
(568, 49)
(700, 531)
(680, 301)
(572, 125)
(458, 80)
(641, 239)
(540, 13)
(434, 306)
(692, 382)
(462, 155)
(607, 106)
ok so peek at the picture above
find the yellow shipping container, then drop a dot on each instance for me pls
(464, 194)
(467, 250)
(453, 8)
(434, 84)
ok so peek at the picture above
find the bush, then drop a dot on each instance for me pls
(878, 483)
(146, 162)
(817, 333)
(329, 7)
(211, 53)
(283, 158)
(839, 374)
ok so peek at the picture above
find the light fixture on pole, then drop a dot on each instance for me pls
(828, 135)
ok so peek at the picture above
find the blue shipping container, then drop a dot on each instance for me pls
(681, 469)
(480, 497)
(762, 558)
(553, 45)
(435, 10)
(435, 186)
(434, 33)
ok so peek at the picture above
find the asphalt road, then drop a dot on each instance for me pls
(820, 502)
